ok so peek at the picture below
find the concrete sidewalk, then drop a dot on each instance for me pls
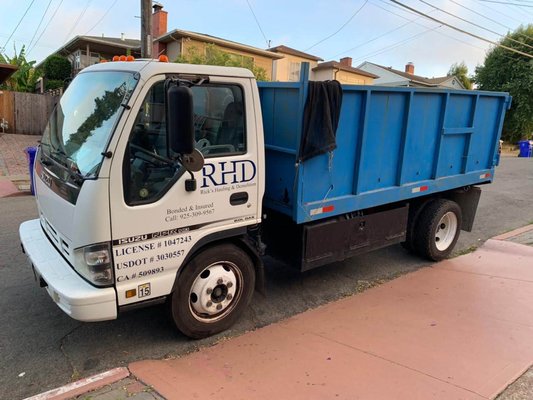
(461, 329)
(14, 172)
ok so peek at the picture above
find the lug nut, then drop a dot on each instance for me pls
(229, 296)
(209, 291)
(219, 306)
(220, 281)
(209, 304)
(230, 284)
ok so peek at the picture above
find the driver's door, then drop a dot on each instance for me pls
(155, 221)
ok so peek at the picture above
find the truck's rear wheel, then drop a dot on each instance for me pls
(213, 291)
(437, 229)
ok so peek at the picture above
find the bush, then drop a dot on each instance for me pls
(57, 67)
(51, 84)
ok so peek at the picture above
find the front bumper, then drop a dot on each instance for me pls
(70, 292)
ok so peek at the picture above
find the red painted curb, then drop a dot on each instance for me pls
(7, 188)
(83, 385)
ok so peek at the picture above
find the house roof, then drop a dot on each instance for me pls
(440, 79)
(338, 65)
(99, 44)
(177, 34)
(293, 52)
(6, 70)
(417, 78)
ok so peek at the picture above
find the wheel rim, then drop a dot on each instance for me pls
(215, 292)
(446, 231)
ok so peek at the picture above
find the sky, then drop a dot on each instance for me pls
(378, 31)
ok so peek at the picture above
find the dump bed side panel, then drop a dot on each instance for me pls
(392, 144)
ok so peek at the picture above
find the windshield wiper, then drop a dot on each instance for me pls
(76, 175)
(60, 158)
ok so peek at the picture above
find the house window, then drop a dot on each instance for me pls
(80, 59)
(76, 63)
(294, 71)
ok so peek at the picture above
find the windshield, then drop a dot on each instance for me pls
(81, 125)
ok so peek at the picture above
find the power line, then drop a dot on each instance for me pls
(46, 26)
(258, 24)
(372, 40)
(481, 15)
(342, 27)
(398, 44)
(462, 31)
(500, 12)
(25, 39)
(409, 21)
(401, 26)
(506, 3)
(40, 22)
(521, 7)
(103, 16)
(3, 49)
(474, 24)
(424, 26)
(78, 19)
(488, 18)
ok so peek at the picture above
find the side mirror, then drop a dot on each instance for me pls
(180, 120)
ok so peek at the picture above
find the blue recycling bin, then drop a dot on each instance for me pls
(30, 153)
(526, 148)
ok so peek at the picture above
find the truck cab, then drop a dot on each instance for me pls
(121, 213)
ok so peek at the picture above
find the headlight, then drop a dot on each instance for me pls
(95, 264)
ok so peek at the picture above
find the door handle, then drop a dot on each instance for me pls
(239, 198)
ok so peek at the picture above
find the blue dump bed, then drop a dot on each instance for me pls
(392, 144)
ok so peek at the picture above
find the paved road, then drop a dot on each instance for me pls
(42, 348)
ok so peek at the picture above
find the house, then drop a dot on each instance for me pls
(287, 69)
(389, 76)
(179, 42)
(6, 70)
(83, 51)
(343, 72)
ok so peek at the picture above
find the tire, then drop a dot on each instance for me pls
(213, 290)
(437, 229)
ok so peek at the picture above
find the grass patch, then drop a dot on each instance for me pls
(468, 250)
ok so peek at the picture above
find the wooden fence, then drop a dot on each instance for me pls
(26, 113)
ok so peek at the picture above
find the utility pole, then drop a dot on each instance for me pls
(146, 28)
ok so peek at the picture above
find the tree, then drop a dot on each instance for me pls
(460, 71)
(25, 78)
(215, 56)
(56, 70)
(507, 71)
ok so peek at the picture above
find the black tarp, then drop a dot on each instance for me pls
(321, 118)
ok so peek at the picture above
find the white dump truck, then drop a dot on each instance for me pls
(150, 183)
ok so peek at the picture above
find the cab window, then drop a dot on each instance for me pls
(150, 167)
(219, 120)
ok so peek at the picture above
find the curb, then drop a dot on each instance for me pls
(513, 233)
(83, 385)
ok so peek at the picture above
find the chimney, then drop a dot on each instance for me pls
(410, 68)
(159, 28)
(346, 61)
(159, 20)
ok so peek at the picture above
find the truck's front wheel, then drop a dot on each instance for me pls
(213, 291)
(437, 229)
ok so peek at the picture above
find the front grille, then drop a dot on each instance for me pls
(59, 241)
